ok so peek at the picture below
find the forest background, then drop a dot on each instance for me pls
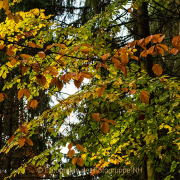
(128, 113)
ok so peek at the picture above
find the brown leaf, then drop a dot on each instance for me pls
(86, 74)
(29, 141)
(20, 93)
(21, 142)
(157, 69)
(79, 147)
(105, 56)
(11, 139)
(70, 145)
(162, 80)
(112, 122)
(100, 91)
(61, 45)
(74, 161)
(34, 103)
(23, 129)
(174, 51)
(96, 117)
(144, 97)
(41, 80)
(133, 91)
(41, 54)
(141, 117)
(105, 127)
(24, 69)
(2, 46)
(59, 84)
(124, 89)
(80, 161)
(77, 83)
(71, 153)
(53, 80)
(164, 46)
(28, 105)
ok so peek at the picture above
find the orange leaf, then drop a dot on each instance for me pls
(11, 139)
(29, 141)
(144, 97)
(24, 69)
(105, 56)
(21, 142)
(28, 105)
(124, 59)
(61, 45)
(74, 161)
(59, 84)
(133, 91)
(157, 69)
(41, 54)
(164, 46)
(80, 161)
(70, 145)
(96, 117)
(174, 51)
(124, 89)
(100, 91)
(26, 56)
(79, 147)
(112, 122)
(71, 153)
(162, 80)
(41, 80)
(20, 93)
(34, 103)
(2, 46)
(86, 74)
(105, 127)
(27, 93)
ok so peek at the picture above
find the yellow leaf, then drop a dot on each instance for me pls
(79, 147)
(96, 117)
(157, 69)
(71, 153)
(105, 127)
(1, 4)
(70, 145)
(21, 142)
(29, 141)
(100, 91)
(80, 161)
(74, 161)
(144, 97)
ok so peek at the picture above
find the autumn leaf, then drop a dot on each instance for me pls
(96, 117)
(21, 142)
(105, 127)
(29, 141)
(77, 83)
(53, 81)
(2, 95)
(112, 122)
(20, 93)
(157, 69)
(174, 51)
(11, 139)
(24, 69)
(59, 84)
(27, 93)
(100, 91)
(34, 103)
(132, 92)
(41, 80)
(74, 161)
(144, 97)
(23, 129)
(124, 89)
(41, 54)
(79, 147)
(80, 162)
(71, 153)
(2, 46)
(70, 145)
(105, 56)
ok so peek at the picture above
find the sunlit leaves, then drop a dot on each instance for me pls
(144, 97)
(157, 69)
